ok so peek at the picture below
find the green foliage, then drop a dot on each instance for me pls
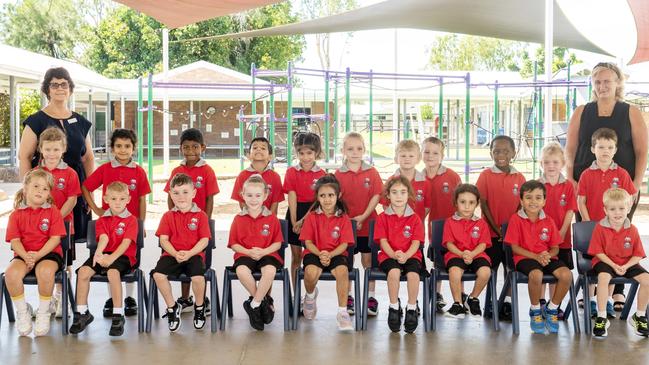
(30, 103)
(426, 111)
(558, 61)
(470, 53)
(5, 137)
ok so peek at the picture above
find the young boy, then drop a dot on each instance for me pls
(120, 168)
(535, 244)
(259, 154)
(192, 147)
(617, 251)
(499, 188)
(115, 256)
(184, 233)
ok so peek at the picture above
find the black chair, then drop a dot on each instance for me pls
(282, 275)
(134, 276)
(515, 277)
(354, 275)
(374, 273)
(582, 232)
(210, 276)
(439, 273)
(61, 277)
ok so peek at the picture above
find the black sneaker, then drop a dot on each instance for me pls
(108, 308)
(505, 312)
(350, 305)
(208, 309)
(254, 315)
(474, 306)
(639, 324)
(199, 316)
(601, 326)
(117, 327)
(440, 303)
(186, 304)
(457, 310)
(130, 307)
(394, 319)
(267, 309)
(464, 298)
(173, 316)
(81, 321)
(411, 321)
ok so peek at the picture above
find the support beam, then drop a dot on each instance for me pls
(13, 123)
(149, 133)
(165, 106)
(109, 123)
(549, 55)
(122, 113)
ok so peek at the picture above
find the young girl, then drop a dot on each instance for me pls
(299, 184)
(360, 186)
(400, 232)
(327, 232)
(466, 236)
(34, 231)
(255, 238)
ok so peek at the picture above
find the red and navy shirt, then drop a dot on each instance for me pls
(302, 182)
(594, 181)
(501, 191)
(420, 189)
(272, 179)
(184, 229)
(250, 232)
(66, 185)
(327, 232)
(35, 226)
(441, 188)
(204, 180)
(465, 234)
(560, 199)
(536, 237)
(399, 231)
(357, 189)
(619, 246)
(118, 228)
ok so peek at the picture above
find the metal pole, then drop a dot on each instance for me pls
(448, 123)
(165, 106)
(536, 122)
(289, 116)
(406, 122)
(590, 90)
(140, 147)
(371, 121)
(241, 130)
(13, 122)
(336, 118)
(467, 128)
(121, 111)
(253, 102)
(348, 106)
(457, 129)
(149, 132)
(440, 127)
(496, 130)
(568, 106)
(271, 112)
(109, 122)
(326, 113)
(549, 33)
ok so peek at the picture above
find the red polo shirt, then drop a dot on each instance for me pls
(66, 185)
(357, 189)
(118, 228)
(34, 227)
(618, 246)
(204, 181)
(399, 231)
(560, 199)
(302, 182)
(327, 233)
(130, 174)
(420, 189)
(466, 234)
(501, 191)
(535, 237)
(249, 232)
(184, 229)
(440, 189)
(593, 182)
(271, 178)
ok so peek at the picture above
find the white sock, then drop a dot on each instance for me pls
(310, 295)
(593, 299)
(44, 304)
(394, 305)
(601, 314)
(118, 310)
(351, 293)
(254, 304)
(640, 313)
(20, 304)
(535, 307)
(82, 308)
(411, 307)
(508, 299)
(130, 290)
(342, 309)
(371, 294)
(552, 306)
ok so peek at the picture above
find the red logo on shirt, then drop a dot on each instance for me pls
(199, 182)
(445, 188)
(627, 243)
(132, 185)
(265, 230)
(335, 233)
(475, 232)
(120, 228)
(545, 234)
(563, 201)
(193, 225)
(615, 183)
(515, 189)
(60, 184)
(45, 225)
(367, 182)
(407, 231)
(420, 195)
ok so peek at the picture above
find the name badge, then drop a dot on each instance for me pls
(72, 120)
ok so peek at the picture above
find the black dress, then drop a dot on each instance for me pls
(76, 129)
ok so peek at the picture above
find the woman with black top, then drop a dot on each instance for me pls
(608, 110)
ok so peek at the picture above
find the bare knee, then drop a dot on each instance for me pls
(268, 270)
(484, 273)
(564, 275)
(159, 277)
(394, 274)
(535, 276)
(243, 271)
(85, 273)
(198, 280)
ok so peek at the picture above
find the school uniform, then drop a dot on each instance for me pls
(118, 228)
(130, 174)
(184, 230)
(441, 189)
(250, 232)
(466, 234)
(66, 185)
(326, 233)
(272, 179)
(619, 246)
(303, 184)
(561, 199)
(594, 182)
(399, 232)
(420, 189)
(203, 177)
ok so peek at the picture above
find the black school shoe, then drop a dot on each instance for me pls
(394, 319)
(117, 327)
(173, 316)
(80, 322)
(186, 304)
(267, 309)
(130, 307)
(256, 321)
(505, 312)
(199, 316)
(108, 308)
(411, 321)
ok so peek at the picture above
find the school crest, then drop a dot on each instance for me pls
(120, 228)
(515, 189)
(335, 233)
(615, 183)
(199, 182)
(45, 225)
(60, 183)
(193, 224)
(627, 243)
(265, 230)
(313, 184)
(545, 234)
(562, 200)
(407, 231)
(445, 188)
(132, 185)
(475, 232)
(420, 195)
(366, 184)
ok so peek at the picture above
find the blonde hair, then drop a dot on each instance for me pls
(435, 140)
(619, 91)
(52, 134)
(616, 195)
(553, 148)
(117, 187)
(255, 179)
(408, 145)
(20, 197)
(351, 135)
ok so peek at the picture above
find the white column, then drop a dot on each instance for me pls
(121, 111)
(395, 102)
(549, 32)
(165, 103)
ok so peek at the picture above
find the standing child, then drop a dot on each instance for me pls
(327, 232)
(361, 187)
(466, 236)
(115, 255)
(184, 233)
(259, 153)
(120, 168)
(400, 232)
(255, 238)
(34, 230)
(617, 250)
(535, 244)
(192, 147)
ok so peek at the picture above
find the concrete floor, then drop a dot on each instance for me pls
(456, 341)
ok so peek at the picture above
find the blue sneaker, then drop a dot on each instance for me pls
(552, 320)
(536, 321)
(610, 311)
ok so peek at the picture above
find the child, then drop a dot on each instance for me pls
(255, 238)
(499, 188)
(535, 244)
(116, 234)
(617, 251)
(52, 143)
(259, 153)
(192, 147)
(299, 184)
(399, 231)
(34, 230)
(120, 168)
(360, 186)
(184, 233)
(327, 232)
(466, 236)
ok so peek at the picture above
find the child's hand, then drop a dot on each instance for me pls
(297, 226)
(620, 270)
(325, 260)
(400, 256)
(359, 222)
(96, 258)
(256, 253)
(325, 255)
(100, 212)
(30, 260)
(182, 256)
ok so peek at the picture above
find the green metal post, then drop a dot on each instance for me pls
(348, 106)
(536, 123)
(590, 89)
(336, 118)
(149, 132)
(440, 127)
(496, 130)
(568, 110)
(140, 117)
(253, 102)
(271, 112)
(406, 122)
(241, 130)
(467, 128)
(371, 126)
(289, 116)
(327, 124)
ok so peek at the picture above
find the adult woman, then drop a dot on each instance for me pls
(608, 110)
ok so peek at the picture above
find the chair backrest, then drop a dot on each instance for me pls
(507, 248)
(91, 239)
(435, 250)
(66, 242)
(581, 235)
(351, 248)
(376, 246)
(284, 226)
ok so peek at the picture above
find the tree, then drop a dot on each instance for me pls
(558, 61)
(468, 53)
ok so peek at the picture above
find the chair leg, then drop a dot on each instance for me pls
(357, 296)
(494, 302)
(65, 283)
(226, 299)
(426, 303)
(566, 313)
(629, 302)
(366, 288)
(587, 314)
(214, 304)
(10, 305)
(230, 311)
(140, 299)
(151, 313)
(433, 303)
(72, 296)
(506, 286)
(515, 314)
(286, 291)
(573, 304)
(296, 298)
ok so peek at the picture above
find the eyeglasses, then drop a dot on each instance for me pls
(62, 85)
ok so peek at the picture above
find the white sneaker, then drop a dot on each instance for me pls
(42, 323)
(24, 323)
(310, 308)
(344, 321)
(55, 305)
(30, 310)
